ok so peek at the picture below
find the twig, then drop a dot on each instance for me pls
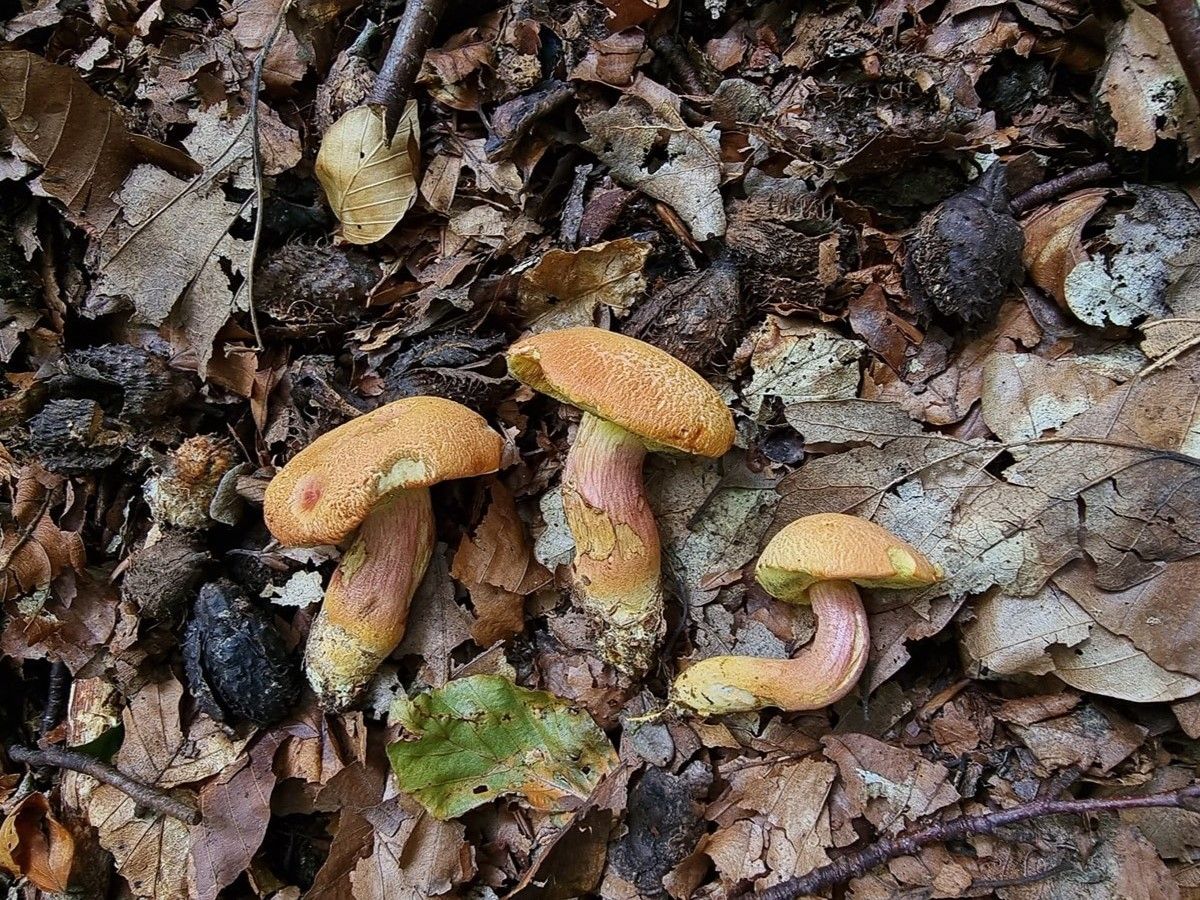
(1181, 18)
(256, 158)
(394, 83)
(143, 794)
(859, 863)
(56, 697)
(1056, 187)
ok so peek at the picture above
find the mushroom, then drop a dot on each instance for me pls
(816, 559)
(634, 398)
(370, 478)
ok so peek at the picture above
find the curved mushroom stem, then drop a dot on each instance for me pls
(822, 673)
(366, 604)
(618, 560)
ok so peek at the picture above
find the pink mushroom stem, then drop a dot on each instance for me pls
(618, 560)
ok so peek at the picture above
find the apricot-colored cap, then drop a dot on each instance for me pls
(837, 547)
(628, 382)
(330, 486)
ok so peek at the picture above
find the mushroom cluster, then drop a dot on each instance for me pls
(366, 485)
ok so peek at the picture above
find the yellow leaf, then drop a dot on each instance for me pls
(370, 183)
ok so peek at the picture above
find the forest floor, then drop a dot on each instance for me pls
(941, 258)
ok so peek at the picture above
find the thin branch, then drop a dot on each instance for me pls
(143, 794)
(1063, 184)
(256, 158)
(393, 86)
(863, 861)
(1181, 19)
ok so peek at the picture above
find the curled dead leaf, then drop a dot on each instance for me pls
(1054, 239)
(35, 845)
(370, 183)
(33, 550)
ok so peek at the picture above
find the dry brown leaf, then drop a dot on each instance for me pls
(415, 856)
(1144, 88)
(664, 158)
(436, 624)
(1053, 239)
(35, 845)
(235, 808)
(180, 232)
(624, 14)
(77, 136)
(152, 850)
(498, 568)
(890, 786)
(33, 549)
(370, 183)
(784, 807)
(565, 287)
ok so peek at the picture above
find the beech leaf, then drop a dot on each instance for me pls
(36, 845)
(483, 737)
(370, 183)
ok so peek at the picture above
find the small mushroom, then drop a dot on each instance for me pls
(816, 559)
(634, 398)
(370, 479)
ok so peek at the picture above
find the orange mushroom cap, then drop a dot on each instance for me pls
(837, 547)
(330, 486)
(628, 382)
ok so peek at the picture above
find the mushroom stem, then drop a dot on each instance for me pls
(617, 555)
(366, 604)
(822, 673)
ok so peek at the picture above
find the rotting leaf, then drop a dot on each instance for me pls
(1153, 270)
(665, 159)
(797, 362)
(76, 135)
(565, 287)
(35, 845)
(369, 182)
(483, 737)
(1143, 86)
(181, 233)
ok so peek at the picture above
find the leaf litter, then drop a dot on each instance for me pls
(749, 187)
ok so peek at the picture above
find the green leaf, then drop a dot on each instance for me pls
(483, 737)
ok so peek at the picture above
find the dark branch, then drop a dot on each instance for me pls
(143, 794)
(1056, 187)
(393, 86)
(862, 861)
(1181, 18)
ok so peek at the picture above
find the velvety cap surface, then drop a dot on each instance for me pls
(330, 486)
(629, 383)
(833, 546)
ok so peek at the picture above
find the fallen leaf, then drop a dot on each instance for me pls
(483, 737)
(497, 566)
(565, 288)
(77, 136)
(797, 362)
(415, 856)
(1143, 88)
(180, 231)
(437, 625)
(235, 808)
(152, 850)
(33, 549)
(1054, 239)
(35, 845)
(890, 786)
(370, 183)
(1153, 268)
(665, 159)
